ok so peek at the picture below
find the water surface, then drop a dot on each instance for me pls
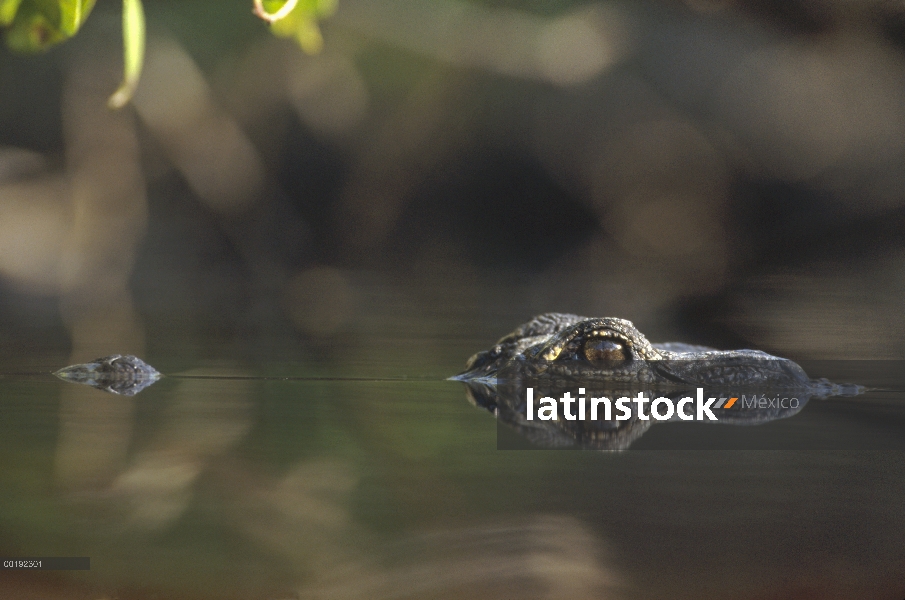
(250, 487)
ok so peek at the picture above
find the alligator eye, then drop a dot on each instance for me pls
(598, 349)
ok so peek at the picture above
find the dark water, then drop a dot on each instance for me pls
(317, 487)
(836, 417)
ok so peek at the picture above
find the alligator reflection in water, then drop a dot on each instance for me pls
(555, 353)
(125, 375)
(507, 400)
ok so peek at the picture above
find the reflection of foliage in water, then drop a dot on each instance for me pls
(300, 476)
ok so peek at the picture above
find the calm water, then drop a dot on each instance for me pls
(328, 488)
(307, 248)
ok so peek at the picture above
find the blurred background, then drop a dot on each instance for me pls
(725, 172)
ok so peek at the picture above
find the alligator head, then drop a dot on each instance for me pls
(554, 353)
(564, 347)
(125, 375)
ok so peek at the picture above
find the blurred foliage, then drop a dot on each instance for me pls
(300, 23)
(37, 25)
(133, 52)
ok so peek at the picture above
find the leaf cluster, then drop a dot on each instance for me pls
(37, 25)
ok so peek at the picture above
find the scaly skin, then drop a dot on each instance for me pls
(120, 374)
(554, 347)
(551, 353)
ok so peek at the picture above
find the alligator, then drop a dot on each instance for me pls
(609, 350)
(125, 375)
(556, 352)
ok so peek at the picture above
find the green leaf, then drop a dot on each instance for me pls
(72, 14)
(8, 10)
(32, 31)
(301, 23)
(309, 8)
(274, 10)
(39, 24)
(133, 52)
